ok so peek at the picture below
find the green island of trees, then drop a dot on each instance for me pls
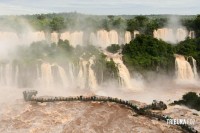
(190, 99)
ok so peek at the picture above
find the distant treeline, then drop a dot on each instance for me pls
(76, 21)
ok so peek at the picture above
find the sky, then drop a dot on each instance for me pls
(100, 7)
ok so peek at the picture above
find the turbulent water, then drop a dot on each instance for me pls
(78, 117)
(124, 78)
(184, 71)
(124, 75)
(86, 75)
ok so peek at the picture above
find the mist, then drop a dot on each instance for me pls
(173, 32)
(72, 76)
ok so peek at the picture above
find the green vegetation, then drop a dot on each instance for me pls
(144, 53)
(193, 24)
(191, 100)
(114, 48)
(145, 25)
(148, 53)
(190, 47)
(63, 53)
(75, 21)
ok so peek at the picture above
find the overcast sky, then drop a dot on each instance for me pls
(100, 7)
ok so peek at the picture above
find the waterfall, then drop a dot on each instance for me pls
(82, 74)
(54, 37)
(16, 76)
(9, 38)
(65, 36)
(92, 81)
(181, 34)
(28, 38)
(71, 72)
(46, 74)
(63, 76)
(184, 70)
(113, 37)
(12, 38)
(93, 39)
(103, 38)
(194, 68)
(191, 34)
(75, 38)
(8, 74)
(171, 35)
(86, 75)
(123, 73)
(127, 37)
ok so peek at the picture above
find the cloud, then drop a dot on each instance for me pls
(101, 7)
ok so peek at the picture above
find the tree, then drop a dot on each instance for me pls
(114, 48)
(148, 53)
(57, 23)
(197, 26)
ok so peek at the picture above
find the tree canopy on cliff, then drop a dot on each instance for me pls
(190, 47)
(148, 53)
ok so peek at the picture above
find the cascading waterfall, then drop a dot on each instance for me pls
(9, 38)
(12, 38)
(54, 37)
(9, 74)
(100, 38)
(113, 37)
(103, 38)
(171, 35)
(184, 71)
(86, 76)
(82, 74)
(181, 34)
(191, 34)
(28, 38)
(48, 77)
(74, 38)
(16, 75)
(195, 68)
(92, 81)
(71, 72)
(93, 39)
(123, 72)
(127, 37)
(46, 74)
(63, 76)
(65, 36)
